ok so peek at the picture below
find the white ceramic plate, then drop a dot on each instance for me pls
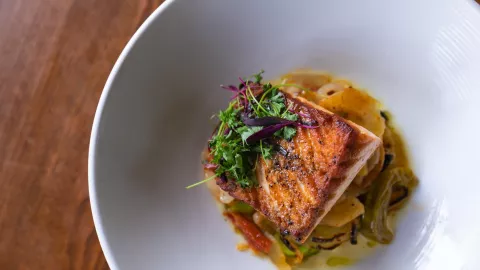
(420, 58)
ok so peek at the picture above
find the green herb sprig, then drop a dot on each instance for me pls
(233, 156)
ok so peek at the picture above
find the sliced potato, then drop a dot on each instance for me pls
(330, 89)
(357, 107)
(327, 237)
(354, 191)
(312, 80)
(343, 212)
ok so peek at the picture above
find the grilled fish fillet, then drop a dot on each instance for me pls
(299, 185)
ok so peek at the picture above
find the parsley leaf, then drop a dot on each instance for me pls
(258, 76)
(246, 132)
(288, 133)
(230, 116)
(290, 116)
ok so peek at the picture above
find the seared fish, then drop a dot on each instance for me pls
(302, 181)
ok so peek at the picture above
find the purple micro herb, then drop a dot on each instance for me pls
(238, 92)
(264, 121)
(266, 132)
(242, 81)
(230, 87)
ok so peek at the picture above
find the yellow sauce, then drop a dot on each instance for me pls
(338, 261)
(346, 253)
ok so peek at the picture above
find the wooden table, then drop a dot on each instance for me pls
(55, 56)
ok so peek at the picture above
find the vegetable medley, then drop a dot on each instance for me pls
(258, 113)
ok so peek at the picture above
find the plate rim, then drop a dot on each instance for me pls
(92, 191)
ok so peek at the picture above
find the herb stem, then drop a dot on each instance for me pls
(287, 110)
(220, 129)
(256, 101)
(265, 93)
(201, 182)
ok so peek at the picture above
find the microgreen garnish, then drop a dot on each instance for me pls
(255, 118)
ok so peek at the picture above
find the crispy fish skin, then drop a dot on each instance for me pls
(297, 187)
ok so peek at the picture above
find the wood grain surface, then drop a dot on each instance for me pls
(55, 56)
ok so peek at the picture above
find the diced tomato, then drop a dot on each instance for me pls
(254, 236)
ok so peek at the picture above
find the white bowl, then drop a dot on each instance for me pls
(420, 58)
